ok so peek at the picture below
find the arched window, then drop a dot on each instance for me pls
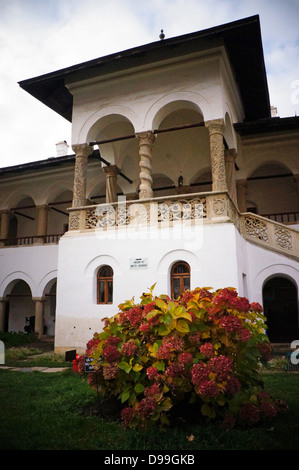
(105, 285)
(180, 278)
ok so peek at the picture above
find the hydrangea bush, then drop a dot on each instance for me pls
(204, 348)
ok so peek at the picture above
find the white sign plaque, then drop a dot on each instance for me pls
(138, 263)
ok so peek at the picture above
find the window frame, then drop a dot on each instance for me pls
(106, 280)
(180, 276)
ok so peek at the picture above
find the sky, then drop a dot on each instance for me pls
(41, 36)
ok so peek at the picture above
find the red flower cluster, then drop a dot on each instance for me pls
(144, 327)
(149, 307)
(152, 373)
(233, 386)
(249, 413)
(127, 415)
(208, 388)
(135, 316)
(174, 369)
(92, 344)
(229, 298)
(186, 358)
(199, 373)
(207, 350)
(265, 350)
(129, 349)
(112, 340)
(231, 323)
(110, 371)
(111, 353)
(195, 338)
(256, 307)
(152, 390)
(174, 343)
(221, 366)
(147, 406)
(244, 335)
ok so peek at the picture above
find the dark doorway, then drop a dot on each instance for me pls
(281, 310)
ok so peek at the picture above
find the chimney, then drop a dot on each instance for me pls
(62, 148)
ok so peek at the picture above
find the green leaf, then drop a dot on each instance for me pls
(167, 319)
(160, 365)
(182, 326)
(125, 366)
(161, 304)
(125, 396)
(137, 367)
(163, 330)
(139, 388)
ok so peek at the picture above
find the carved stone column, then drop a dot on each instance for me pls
(39, 315)
(146, 140)
(111, 182)
(42, 222)
(5, 216)
(230, 158)
(216, 129)
(242, 195)
(82, 152)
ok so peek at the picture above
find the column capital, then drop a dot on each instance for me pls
(111, 170)
(147, 137)
(43, 207)
(5, 211)
(215, 126)
(82, 150)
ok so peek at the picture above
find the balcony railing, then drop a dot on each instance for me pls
(209, 207)
(269, 234)
(287, 218)
(31, 240)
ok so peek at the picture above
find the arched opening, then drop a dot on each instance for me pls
(58, 215)
(180, 278)
(23, 225)
(280, 301)
(202, 182)
(180, 150)
(20, 310)
(105, 285)
(50, 308)
(272, 190)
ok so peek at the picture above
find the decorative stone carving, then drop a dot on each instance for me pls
(256, 228)
(146, 140)
(216, 129)
(82, 152)
(125, 213)
(74, 221)
(283, 237)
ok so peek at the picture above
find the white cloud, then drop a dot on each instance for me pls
(40, 36)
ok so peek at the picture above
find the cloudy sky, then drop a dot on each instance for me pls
(41, 36)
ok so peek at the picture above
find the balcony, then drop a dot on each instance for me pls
(195, 208)
(31, 240)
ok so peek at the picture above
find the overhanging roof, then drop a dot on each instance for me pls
(264, 126)
(242, 40)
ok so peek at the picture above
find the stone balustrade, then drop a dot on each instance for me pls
(209, 207)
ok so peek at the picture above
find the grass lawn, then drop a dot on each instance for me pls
(42, 411)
